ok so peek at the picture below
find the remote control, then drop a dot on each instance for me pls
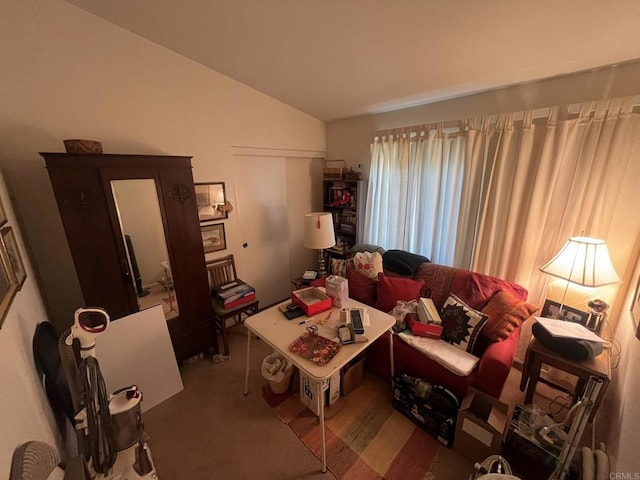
(356, 321)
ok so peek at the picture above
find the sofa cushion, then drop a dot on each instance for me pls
(361, 288)
(480, 288)
(506, 313)
(368, 264)
(461, 323)
(392, 289)
(453, 359)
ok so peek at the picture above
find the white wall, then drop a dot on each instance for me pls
(24, 409)
(69, 74)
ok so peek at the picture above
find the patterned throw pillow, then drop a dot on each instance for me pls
(368, 264)
(461, 323)
(506, 313)
(339, 267)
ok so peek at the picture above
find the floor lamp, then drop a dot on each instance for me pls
(584, 261)
(318, 235)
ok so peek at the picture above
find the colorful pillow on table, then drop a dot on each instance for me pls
(461, 324)
(392, 289)
(368, 264)
(361, 288)
(506, 313)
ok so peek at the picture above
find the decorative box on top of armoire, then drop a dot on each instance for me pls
(82, 184)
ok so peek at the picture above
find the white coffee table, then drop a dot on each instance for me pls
(272, 327)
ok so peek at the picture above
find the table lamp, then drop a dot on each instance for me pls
(318, 235)
(584, 261)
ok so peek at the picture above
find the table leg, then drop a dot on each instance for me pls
(246, 371)
(535, 365)
(391, 360)
(321, 414)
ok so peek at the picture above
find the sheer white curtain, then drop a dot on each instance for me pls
(548, 182)
(501, 196)
(416, 182)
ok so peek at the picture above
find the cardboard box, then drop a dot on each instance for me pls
(480, 426)
(311, 300)
(351, 376)
(309, 391)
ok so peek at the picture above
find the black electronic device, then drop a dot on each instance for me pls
(356, 321)
(292, 313)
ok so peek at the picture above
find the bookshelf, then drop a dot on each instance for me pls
(345, 199)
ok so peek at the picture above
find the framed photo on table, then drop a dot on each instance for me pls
(551, 309)
(213, 237)
(11, 246)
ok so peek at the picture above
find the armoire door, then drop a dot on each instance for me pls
(104, 275)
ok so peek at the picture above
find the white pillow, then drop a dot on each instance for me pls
(368, 264)
(461, 324)
(453, 359)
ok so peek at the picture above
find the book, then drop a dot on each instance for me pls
(427, 311)
(233, 293)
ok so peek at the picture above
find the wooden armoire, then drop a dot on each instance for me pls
(82, 184)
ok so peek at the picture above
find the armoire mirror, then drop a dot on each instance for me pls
(136, 203)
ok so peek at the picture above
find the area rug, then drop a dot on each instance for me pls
(368, 439)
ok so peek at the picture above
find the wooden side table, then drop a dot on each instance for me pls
(537, 354)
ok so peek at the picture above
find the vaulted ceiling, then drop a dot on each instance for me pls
(340, 58)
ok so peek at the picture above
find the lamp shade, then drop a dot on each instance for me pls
(585, 261)
(318, 230)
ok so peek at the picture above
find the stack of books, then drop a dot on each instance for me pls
(234, 293)
(427, 311)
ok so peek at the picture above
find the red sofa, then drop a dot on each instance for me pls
(476, 290)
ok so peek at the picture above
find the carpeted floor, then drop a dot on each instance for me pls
(212, 431)
(368, 439)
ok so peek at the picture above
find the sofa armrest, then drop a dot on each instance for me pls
(495, 365)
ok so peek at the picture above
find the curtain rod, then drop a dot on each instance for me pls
(573, 111)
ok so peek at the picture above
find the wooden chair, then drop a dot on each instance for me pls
(222, 271)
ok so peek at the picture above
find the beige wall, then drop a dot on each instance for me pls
(24, 410)
(69, 74)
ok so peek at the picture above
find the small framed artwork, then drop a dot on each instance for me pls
(11, 246)
(211, 199)
(635, 308)
(3, 215)
(8, 283)
(551, 309)
(213, 237)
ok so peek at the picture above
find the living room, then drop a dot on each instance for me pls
(71, 74)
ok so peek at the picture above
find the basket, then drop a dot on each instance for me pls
(334, 172)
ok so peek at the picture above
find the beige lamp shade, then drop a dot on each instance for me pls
(585, 261)
(318, 230)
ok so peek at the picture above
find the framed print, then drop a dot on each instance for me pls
(15, 259)
(635, 308)
(211, 198)
(8, 283)
(213, 237)
(3, 215)
(551, 309)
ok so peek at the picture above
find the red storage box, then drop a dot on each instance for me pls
(311, 300)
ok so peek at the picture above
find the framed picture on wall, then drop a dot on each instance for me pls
(211, 198)
(3, 215)
(635, 308)
(11, 246)
(8, 283)
(213, 238)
